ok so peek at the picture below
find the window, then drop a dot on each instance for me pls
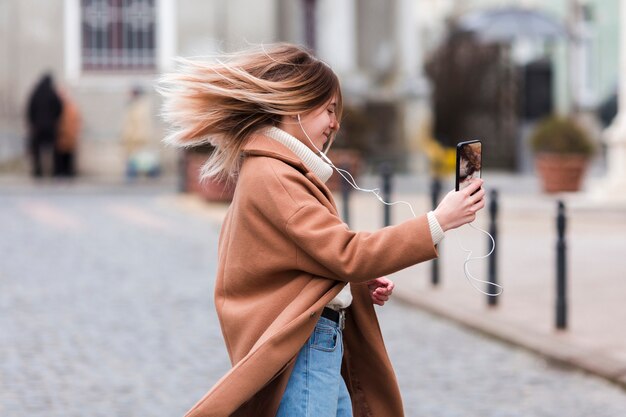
(118, 35)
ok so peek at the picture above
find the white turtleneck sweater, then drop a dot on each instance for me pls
(323, 171)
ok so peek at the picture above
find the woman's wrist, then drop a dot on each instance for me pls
(436, 231)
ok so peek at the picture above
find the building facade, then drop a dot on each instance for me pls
(99, 50)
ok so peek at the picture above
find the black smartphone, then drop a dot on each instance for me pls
(469, 157)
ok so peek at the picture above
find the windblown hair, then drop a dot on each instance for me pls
(223, 103)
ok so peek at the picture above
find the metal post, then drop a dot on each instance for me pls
(345, 194)
(493, 231)
(561, 276)
(386, 173)
(435, 191)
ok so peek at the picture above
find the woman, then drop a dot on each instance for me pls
(295, 286)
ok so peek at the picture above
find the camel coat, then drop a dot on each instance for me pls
(284, 253)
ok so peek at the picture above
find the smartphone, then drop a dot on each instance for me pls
(469, 157)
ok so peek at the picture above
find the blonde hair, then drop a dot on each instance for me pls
(223, 103)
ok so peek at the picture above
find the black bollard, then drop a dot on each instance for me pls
(435, 190)
(493, 231)
(386, 173)
(561, 276)
(346, 189)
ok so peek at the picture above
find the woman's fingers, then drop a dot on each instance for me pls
(474, 186)
(459, 208)
(380, 290)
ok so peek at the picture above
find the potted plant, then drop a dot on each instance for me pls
(209, 189)
(562, 151)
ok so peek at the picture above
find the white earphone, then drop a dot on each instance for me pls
(348, 177)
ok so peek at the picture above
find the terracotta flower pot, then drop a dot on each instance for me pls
(210, 190)
(561, 172)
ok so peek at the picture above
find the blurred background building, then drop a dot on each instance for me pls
(384, 52)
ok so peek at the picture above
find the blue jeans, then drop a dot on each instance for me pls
(316, 387)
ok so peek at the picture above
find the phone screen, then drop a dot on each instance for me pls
(468, 162)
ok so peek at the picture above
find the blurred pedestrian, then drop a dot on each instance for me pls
(43, 115)
(138, 136)
(67, 139)
(295, 286)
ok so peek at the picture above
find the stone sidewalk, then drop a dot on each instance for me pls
(595, 338)
(525, 315)
(116, 317)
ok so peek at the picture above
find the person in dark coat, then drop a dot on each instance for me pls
(44, 112)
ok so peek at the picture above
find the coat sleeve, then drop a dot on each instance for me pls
(327, 247)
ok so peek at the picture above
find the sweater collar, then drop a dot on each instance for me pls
(304, 155)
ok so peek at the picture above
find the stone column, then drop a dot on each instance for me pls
(336, 34)
(411, 85)
(406, 38)
(613, 186)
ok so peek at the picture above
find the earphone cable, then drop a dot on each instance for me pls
(376, 191)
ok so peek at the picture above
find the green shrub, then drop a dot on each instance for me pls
(560, 135)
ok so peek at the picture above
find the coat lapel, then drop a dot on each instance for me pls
(262, 145)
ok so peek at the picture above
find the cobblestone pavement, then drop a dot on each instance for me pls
(106, 310)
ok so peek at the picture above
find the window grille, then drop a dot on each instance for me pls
(118, 35)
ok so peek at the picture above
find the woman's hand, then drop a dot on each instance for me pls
(459, 207)
(380, 290)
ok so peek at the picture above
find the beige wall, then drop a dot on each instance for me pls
(211, 26)
(38, 43)
(199, 26)
(203, 27)
(34, 38)
(30, 43)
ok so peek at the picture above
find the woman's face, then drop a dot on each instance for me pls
(320, 125)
